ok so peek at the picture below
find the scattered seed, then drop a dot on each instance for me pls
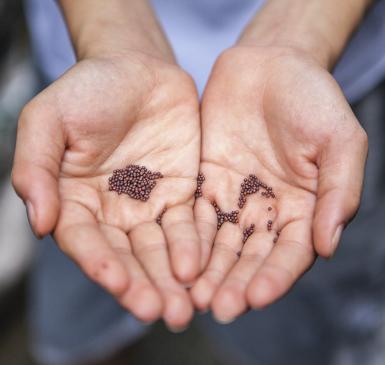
(275, 240)
(200, 179)
(252, 185)
(160, 216)
(135, 181)
(223, 217)
(269, 209)
(247, 232)
(269, 225)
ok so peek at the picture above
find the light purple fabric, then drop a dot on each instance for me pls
(199, 30)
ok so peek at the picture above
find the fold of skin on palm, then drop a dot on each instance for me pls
(100, 116)
(276, 114)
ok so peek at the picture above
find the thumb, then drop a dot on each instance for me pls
(341, 174)
(39, 150)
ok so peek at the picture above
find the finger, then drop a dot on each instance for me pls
(79, 236)
(230, 299)
(141, 298)
(149, 247)
(228, 243)
(206, 223)
(183, 242)
(291, 256)
(39, 150)
(341, 173)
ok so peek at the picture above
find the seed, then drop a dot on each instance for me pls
(160, 216)
(269, 209)
(200, 179)
(275, 240)
(252, 185)
(223, 217)
(135, 181)
(247, 232)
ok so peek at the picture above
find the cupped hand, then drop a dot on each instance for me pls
(102, 115)
(275, 113)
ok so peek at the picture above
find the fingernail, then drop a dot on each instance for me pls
(31, 217)
(336, 238)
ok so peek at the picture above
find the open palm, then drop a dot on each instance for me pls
(102, 115)
(278, 115)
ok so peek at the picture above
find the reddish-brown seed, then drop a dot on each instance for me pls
(269, 209)
(160, 216)
(247, 232)
(135, 181)
(223, 217)
(200, 179)
(252, 185)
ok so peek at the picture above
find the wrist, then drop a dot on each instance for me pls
(117, 40)
(117, 27)
(318, 28)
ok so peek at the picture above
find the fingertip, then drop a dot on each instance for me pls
(326, 239)
(47, 214)
(187, 267)
(39, 191)
(201, 294)
(261, 293)
(146, 305)
(225, 305)
(178, 312)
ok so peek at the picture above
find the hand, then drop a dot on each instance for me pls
(275, 113)
(102, 115)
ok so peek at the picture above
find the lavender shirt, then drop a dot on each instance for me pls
(199, 30)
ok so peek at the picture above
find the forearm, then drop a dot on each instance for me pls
(100, 27)
(320, 28)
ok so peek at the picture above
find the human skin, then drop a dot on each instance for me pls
(272, 108)
(124, 102)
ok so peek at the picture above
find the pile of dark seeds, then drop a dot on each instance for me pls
(160, 216)
(247, 232)
(223, 217)
(252, 185)
(135, 181)
(200, 179)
